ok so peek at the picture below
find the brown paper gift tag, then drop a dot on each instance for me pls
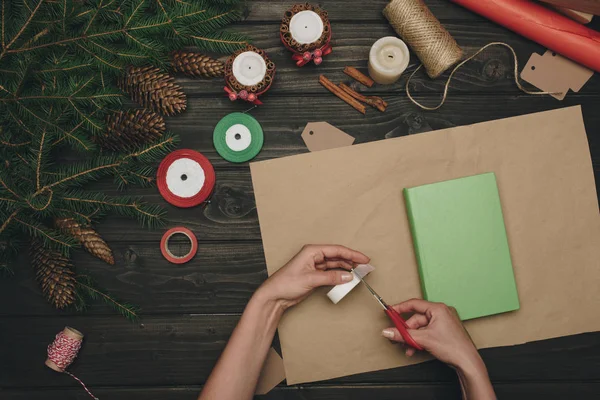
(555, 73)
(272, 373)
(324, 136)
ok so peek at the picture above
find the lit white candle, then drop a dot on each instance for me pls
(388, 59)
(249, 68)
(306, 27)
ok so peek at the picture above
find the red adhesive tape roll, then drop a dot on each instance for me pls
(185, 178)
(544, 26)
(164, 245)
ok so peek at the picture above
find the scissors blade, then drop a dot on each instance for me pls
(373, 292)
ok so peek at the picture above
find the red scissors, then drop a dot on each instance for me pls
(395, 316)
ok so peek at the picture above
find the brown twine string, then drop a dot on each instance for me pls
(516, 75)
(44, 190)
(430, 41)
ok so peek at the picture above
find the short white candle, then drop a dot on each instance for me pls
(306, 27)
(388, 59)
(249, 68)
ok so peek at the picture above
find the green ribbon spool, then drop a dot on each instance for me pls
(238, 137)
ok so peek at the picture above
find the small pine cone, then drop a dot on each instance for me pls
(55, 275)
(88, 237)
(196, 64)
(129, 130)
(153, 89)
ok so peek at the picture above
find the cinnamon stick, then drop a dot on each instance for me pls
(333, 88)
(359, 76)
(373, 101)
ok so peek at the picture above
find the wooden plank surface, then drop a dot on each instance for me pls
(181, 350)
(190, 310)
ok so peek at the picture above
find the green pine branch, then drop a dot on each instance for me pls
(87, 202)
(88, 289)
(59, 63)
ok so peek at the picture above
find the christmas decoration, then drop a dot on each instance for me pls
(151, 88)
(60, 62)
(88, 237)
(128, 130)
(248, 74)
(54, 272)
(196, 64)
(305, 30)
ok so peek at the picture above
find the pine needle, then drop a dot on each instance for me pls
(89, 288)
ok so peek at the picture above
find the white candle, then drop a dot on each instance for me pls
(388, 59)
(249, 68)
(306, 27)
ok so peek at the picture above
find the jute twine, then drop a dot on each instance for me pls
(447, 85)
(418, 27)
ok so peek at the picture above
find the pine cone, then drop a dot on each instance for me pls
(128, 130)
(153, 89)
(196, 64)
(55, 274)
(88, 237)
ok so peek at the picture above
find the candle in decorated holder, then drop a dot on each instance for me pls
(248, 74)
(305, 31)
(388, 59)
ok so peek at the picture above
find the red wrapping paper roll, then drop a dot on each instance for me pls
(544, 26)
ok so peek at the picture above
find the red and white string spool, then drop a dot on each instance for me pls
(63, 351)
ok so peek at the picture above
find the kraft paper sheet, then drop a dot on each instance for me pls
(353, 196)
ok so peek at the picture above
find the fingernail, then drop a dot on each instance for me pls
(388, 333)
(347, 276)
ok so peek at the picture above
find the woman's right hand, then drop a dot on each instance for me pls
(437, 328)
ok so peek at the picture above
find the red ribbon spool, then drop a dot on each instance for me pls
(196, 198)
(164, 245)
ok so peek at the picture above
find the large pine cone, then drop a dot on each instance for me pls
(55, 274)
(88, 237)
(129, 130)
(196, 64)
(153, 89)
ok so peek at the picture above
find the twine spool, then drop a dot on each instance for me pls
(63, 351)
(426, 36)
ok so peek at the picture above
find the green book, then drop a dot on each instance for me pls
(461, 246)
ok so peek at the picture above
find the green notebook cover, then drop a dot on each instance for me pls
(461, 246)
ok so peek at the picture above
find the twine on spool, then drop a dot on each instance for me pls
(430, 41)
(516, 61)
(63, 350)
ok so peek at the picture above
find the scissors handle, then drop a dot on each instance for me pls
(402, 327)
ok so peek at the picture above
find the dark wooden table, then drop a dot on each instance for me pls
(190, 310)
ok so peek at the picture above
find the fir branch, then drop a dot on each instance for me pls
(91, 290)
(150, 216)
(7, 222)
(39, 159)
(5, 48)
(53, 238)
(9, 189)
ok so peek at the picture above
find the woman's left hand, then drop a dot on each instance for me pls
(309, 269)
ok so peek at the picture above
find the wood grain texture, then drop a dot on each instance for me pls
(181, 350)
(439, 391)
(220, 279)
(190, 310)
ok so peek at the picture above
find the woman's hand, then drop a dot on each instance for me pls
(437, 328)
(312, 267)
